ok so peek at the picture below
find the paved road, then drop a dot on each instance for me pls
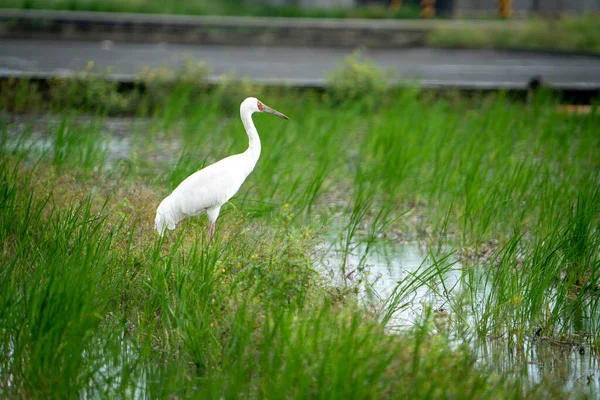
(304, 66)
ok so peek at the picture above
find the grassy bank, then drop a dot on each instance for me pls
(565, 33)
(207, 7)
(93, 303)
(576, 33)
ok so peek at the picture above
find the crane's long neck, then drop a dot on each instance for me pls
(254, 145)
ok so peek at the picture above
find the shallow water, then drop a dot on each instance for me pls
(110, 376)
(387, 265)
(378, 273)
(537, 362)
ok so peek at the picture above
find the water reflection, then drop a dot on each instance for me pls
(537, 362)
(378, 270)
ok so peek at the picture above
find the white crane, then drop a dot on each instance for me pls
(208, 189)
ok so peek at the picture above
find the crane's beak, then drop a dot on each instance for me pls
(274, 112)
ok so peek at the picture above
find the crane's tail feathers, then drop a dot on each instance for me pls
(162, 222)
(165, 218)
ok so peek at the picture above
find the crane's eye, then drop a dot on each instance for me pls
(260, 105)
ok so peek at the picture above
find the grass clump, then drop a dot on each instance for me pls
(358, 78)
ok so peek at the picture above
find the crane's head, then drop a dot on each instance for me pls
(252, 105)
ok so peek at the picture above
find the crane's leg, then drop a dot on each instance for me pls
(211, 230)
(213, 214)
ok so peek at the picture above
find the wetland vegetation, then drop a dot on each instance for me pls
(500, 194)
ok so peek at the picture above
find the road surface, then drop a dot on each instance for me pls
(463, 69)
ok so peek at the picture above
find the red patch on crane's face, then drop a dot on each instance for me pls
(261, 107)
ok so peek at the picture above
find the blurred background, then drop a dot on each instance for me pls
(316, 7)
(460, 44)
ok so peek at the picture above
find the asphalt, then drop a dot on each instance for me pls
(430, 67)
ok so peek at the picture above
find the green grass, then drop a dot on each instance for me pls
(93, 303)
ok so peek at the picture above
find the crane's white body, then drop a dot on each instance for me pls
(208, 189)
(204, 191)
